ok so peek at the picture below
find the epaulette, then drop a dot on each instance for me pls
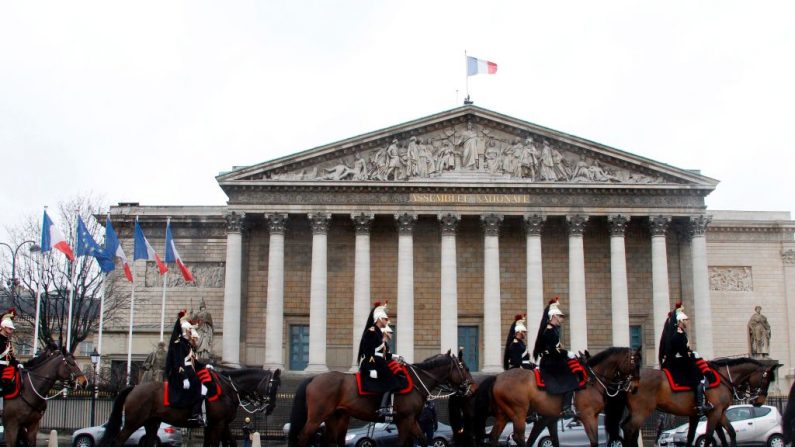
(515, 340)
(372, 329)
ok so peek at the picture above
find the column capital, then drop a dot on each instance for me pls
(406, 222)
(235, 222)
(788, 256)
(576, 224)
(362, 222)
(697, 225)
(449, 223)
(534, 223)
(319, 222)
(277, 223)
(491, 224)
(658, 225)
(618, 224)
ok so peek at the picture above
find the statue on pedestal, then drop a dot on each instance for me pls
(154, 365)
(204, 321)
(759, 334)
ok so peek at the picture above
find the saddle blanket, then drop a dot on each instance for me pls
(209, 379)
(675, 380)
(368, 387)
(555, 384)
(13, 390)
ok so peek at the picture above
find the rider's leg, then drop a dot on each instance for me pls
(567, 412)
(702, 406)
(197, 415)
(385, 408)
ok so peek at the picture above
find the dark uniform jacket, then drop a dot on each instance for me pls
(181, 364)
(7, 360)
(680, 360)
(517, 357)
(374, 356)
(554, 364)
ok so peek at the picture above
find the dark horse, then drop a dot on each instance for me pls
(788, 420)
(653, 392)
(22, 414)
(333, 398)
(143, 406)
(609, 373)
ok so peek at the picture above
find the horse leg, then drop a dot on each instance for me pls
(150, 438)
(691, 430)
(33, 430)
(631, 428)
(341, 429)
(713, 419)
(726, 425)
(496, 429)
(538, 427)
(408, 431)
(518, 431)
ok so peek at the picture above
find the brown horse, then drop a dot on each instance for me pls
(333, 398)
(22, 415)
(653, 392)
(609, 373)
(143, 406)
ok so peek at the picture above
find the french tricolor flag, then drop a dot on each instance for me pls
(172, 255)
(144, 250)
(113, 248)
(51, 237)
(479, 66)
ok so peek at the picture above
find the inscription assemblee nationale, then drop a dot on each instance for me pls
(469, 198)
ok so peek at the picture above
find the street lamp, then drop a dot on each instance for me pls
(12, 283)
(94, 361)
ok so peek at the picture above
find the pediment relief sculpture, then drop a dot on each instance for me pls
(469, 149)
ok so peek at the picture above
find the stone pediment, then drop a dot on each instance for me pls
(467, 145)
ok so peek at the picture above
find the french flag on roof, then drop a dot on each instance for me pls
(172, 255)
(51, 237)
(113, 248)
(144, 250)
(479, 66)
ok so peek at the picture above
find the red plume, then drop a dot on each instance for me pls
(678, 304)
(554, 300)
(517, 317)
(181, 313)
(12, 311)
(376, 304)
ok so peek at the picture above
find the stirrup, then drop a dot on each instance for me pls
(197, 419)
(568, 413)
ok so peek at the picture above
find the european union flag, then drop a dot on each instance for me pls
(87, 246)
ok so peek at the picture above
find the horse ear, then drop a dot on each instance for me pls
(448, 352)
(277, 373)
(461, 352)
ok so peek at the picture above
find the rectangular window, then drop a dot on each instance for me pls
(86, 348)
(24, 347)
(299, 346)
(635, 336)
(468, 339)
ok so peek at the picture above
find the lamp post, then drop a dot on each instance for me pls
(12, 283)
(94, 361)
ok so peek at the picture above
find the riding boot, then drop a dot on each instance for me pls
(197, 416)
(702, 406)
(568, 412)
(385, 409)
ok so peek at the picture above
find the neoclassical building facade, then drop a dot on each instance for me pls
(460, 220)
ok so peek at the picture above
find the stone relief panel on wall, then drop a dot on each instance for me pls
(731, 279)
(470, 148)
(208, 275)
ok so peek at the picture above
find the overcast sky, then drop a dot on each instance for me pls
(148, 101)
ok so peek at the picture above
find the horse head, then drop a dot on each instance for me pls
(467, 385)
(270, 390)
(68, 370)
(748, 378)
(760, 380)
(615, 368)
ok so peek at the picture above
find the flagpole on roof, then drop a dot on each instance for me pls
(466, 75)
(132, 314)
(165, 285)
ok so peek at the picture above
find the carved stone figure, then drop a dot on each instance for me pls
(393, 163)
(154, 365)
(493, 162)
(204, 321)
(528, 159)
(472, 147)
(759, 334)
(446, 161)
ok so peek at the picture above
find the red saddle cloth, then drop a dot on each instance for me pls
(713, 379)
(209, 379)
(574, 366)
(399, 370)
(16, 385)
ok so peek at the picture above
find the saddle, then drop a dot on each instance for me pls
(16, 384)
(206, 377)
(367, 386)
(555, 384)
(678, 380)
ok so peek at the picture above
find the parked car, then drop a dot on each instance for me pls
(167, 435)
(381, 434)
(2, 433)
(667, 437)
(570, 434)
(755, 426)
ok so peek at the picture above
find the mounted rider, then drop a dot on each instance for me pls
(181, 370)
(516, 355)
(8, 362)
(555, 359)
(376, 362)
(684, 363)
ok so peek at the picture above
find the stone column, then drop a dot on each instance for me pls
(492, 323)
(405, 286)
(697, 228)
(318, 304)
(232, 297)
(618, 280)
(578, 323)
(449, 284)
(274, 312)
(788, 261)
(661, 301)
(533, 225)
(361, 280)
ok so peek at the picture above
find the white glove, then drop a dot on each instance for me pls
(695, 355)
(373, 374)
(571, 355)
(397, 358)
(21, 366)
(204, 390)
(210, 367)
(185, 384)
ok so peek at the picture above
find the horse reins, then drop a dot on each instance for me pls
(620, 385)
(748, 394)
(30, 374)
(428, 393)
(263, 400)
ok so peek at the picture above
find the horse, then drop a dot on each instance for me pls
(143, 405)
(22, 414)
(788, 420)
(609, 372)
(333, 398)
(652, 391)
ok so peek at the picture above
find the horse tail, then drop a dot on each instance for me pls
(298, 415)
(482, 408)
(461, 420)
(614, 411)
(789, 416)
(113, 426)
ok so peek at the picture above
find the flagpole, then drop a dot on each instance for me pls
(165, 283)
(132, 313)
(466, 74)
(101, 315)
(42, 267)
(72, 281)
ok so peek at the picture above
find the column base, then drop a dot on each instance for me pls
(273, 366)
(316, 368)
(492, 369)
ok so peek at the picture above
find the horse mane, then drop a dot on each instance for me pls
(434, 361)
(44, 356)
(602, 356)
(726, 361)
(236, 373)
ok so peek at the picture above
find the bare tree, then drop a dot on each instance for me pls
(55, 276)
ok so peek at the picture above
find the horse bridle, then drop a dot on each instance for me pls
(624, 384)
(258, 401)
(748, 393)
(463, 388)
(30, 374)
